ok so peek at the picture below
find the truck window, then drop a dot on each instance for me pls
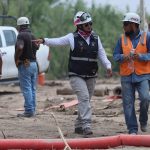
(10, 37)
(0, 41)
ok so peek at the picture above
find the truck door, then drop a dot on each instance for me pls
(8, 39)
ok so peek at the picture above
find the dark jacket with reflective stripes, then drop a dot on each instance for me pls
(83, 59)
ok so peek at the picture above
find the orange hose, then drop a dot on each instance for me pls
(84, 143)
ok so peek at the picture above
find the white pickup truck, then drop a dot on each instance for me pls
(8, 37)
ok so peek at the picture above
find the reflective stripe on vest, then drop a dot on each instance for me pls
(83, 76)
(137, 66)
(83, 59)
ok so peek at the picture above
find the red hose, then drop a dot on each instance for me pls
(84, 143)
(136, 140)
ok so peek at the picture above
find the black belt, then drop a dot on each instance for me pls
(31, 60)
(26, 62)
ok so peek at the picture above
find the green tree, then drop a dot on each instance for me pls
(54, 18)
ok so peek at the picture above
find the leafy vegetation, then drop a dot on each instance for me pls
(53, 18)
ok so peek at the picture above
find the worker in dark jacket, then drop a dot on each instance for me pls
(25, 59)
(85, 51)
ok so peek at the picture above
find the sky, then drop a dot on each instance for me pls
(121, 4)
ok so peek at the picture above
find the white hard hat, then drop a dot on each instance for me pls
(22, 21)
(132, 17)
(82, 18)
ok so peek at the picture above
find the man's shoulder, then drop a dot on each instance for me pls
(24, 34)
(95, 35)
(20, 35)
(75, 34)
(148, 33)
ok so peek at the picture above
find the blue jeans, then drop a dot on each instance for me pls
(128, 94)
(28, 80)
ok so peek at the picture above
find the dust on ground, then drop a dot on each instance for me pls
(107, 119)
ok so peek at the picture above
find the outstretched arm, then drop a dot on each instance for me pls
(60, 41)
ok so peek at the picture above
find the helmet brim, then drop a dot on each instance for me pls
(83, 22)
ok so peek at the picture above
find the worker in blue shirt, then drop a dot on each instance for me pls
(132, 52)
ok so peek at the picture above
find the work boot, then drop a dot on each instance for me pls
(87, 131)
(27, 115)
(78, 130)
(144, 128)
(133, 133)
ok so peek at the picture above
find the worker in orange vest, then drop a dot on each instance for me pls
(132, 52)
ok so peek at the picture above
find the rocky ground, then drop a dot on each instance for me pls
(108, 119)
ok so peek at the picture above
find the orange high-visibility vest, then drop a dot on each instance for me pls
(137, 66)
